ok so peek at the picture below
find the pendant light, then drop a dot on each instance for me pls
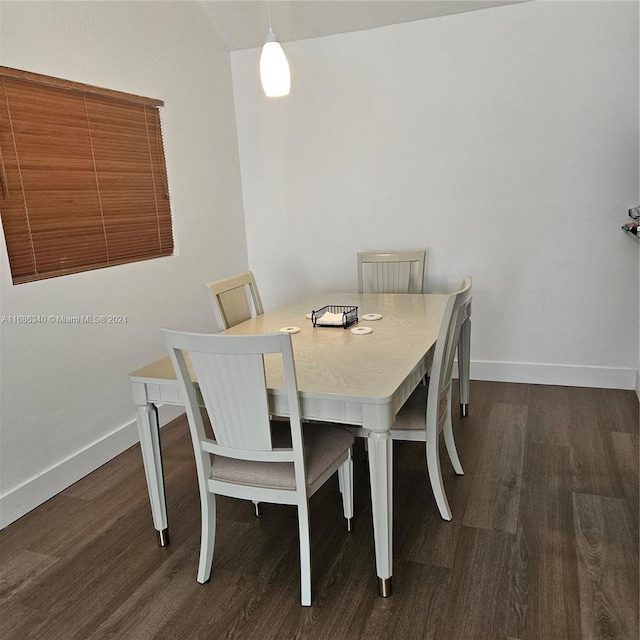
(274, 68)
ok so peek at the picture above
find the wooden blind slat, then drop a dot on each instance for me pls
(85, 176)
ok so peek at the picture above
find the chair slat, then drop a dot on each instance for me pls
(233, 389)
(234, 306)
(391, 272)
(235, 299)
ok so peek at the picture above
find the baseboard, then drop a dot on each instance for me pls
(554, 374)
(31, 494)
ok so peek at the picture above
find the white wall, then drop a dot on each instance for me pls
(505, 141)
(66, 404)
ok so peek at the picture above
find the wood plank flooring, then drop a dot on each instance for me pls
(543, 544)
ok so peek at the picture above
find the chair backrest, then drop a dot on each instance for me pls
(391, 272)
(235, 299)
(439, 398)
(231, 378)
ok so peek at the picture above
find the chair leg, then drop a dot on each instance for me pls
(258, 508)
(305, 554)
(207, 535)
(345, 481)
(464, 347)
(437, 486)
(451, 446)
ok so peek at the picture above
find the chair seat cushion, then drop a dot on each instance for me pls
(324, 445)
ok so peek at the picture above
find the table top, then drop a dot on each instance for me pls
(332, 362)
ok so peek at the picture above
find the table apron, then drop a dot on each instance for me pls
(374, 414)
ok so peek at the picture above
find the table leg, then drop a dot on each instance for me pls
(149, 432)
(381, 476)
(464, 365)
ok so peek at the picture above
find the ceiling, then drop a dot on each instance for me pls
(243, 24)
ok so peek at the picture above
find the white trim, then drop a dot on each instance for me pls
(34, 492)
(554, 374)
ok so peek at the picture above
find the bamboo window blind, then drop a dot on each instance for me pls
(83, 182)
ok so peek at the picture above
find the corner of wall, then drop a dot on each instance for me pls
(21, 500)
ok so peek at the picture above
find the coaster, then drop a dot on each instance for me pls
(372, 316)
(289, 330)
(361, 331)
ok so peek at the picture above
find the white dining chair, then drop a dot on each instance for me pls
(235, 299)
(427, 412)
(391, 272)
(249, 457)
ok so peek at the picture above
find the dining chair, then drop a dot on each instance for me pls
(427, 412)
(391, 272)
(235, 299)
(249, 457)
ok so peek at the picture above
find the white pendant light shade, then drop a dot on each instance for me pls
(274, 68)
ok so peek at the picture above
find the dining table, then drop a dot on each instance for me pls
(349, 376)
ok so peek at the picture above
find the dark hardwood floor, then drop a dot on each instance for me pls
(543, 544)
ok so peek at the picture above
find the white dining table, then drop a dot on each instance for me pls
(343, 377)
